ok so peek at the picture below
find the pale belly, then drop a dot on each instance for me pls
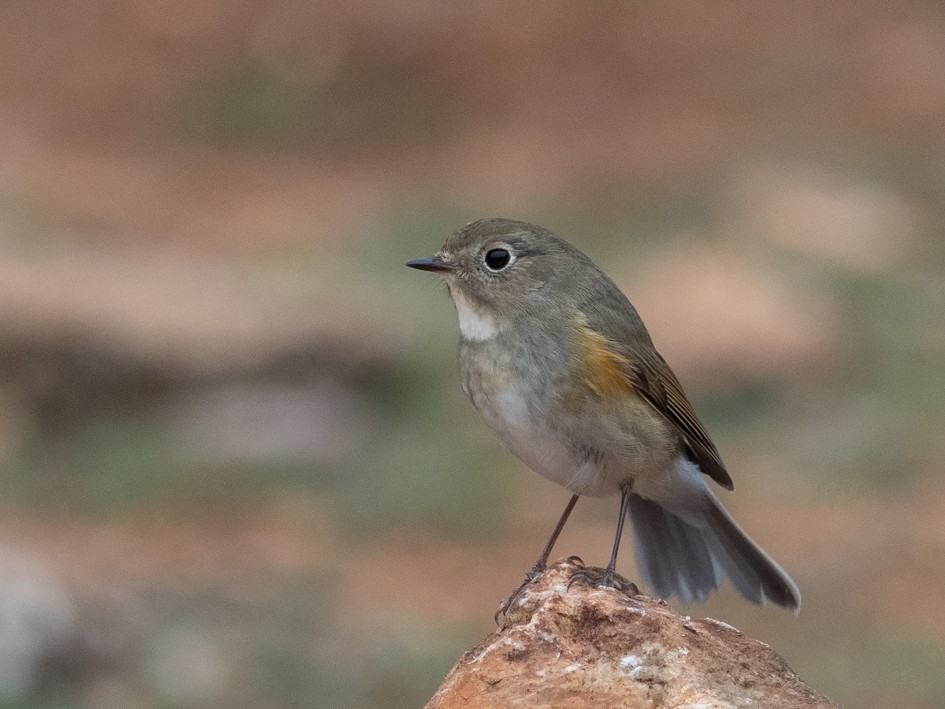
(589, 445)
(540, 448)
(592, 458)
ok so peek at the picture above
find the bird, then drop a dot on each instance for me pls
(561, 367)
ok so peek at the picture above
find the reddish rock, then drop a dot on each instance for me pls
(589, 647)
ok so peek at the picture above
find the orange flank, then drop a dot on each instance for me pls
(604, 369)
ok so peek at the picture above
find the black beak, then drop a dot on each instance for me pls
(434, 264)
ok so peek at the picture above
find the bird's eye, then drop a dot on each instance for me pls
(497, 259)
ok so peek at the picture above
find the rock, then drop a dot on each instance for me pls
(37, 618)
(590, 647)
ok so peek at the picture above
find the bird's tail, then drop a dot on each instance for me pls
(690, 558)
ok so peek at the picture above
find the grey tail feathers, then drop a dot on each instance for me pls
(678, 558)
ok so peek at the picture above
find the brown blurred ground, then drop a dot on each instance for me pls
(227, 412)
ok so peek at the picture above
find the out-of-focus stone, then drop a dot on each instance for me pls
(718, 313)
(589, 647)
(827, 217)
(37, 617)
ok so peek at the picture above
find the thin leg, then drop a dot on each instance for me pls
(610, 577)
(542, 563)
(624, 510)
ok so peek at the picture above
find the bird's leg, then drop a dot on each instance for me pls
(542, 563)
(610, 578)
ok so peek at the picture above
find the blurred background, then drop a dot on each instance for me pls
(236, 465)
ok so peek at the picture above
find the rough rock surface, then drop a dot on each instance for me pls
(590, 647)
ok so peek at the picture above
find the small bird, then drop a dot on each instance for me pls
(562, 369)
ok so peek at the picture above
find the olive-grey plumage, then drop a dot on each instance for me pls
(562, 368)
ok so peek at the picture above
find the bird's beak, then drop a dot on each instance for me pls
(434, 264)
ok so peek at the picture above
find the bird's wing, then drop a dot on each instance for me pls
(659, 387)
(621, 341)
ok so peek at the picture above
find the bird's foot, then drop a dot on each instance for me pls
(507, 602)
(608, 578)
(530, 576)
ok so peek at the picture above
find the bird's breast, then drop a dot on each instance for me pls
(588, 436)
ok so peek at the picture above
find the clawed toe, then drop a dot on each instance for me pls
(503, 606)
(506, 603)
(608, 578)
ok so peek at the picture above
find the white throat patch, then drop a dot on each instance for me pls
(473, 323)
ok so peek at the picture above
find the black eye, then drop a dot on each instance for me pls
(497, 259)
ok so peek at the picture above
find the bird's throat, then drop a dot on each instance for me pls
(474, 324)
